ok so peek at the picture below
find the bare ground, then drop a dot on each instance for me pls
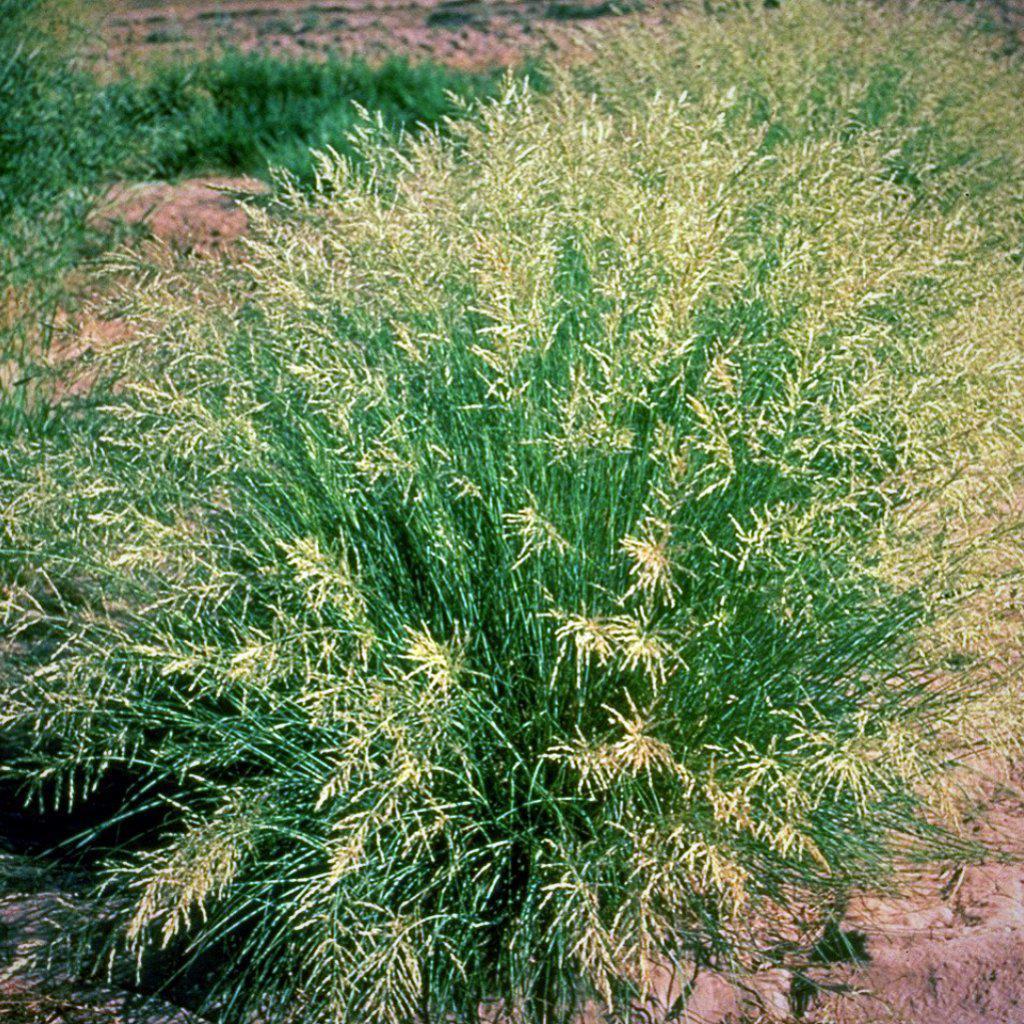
(463, 33)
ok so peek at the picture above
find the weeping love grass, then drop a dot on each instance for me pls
(553, 554)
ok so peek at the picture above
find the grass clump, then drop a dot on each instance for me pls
(521, 572)
(251, 112)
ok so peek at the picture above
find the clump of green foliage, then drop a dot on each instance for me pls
(250, 112)
(525, 569)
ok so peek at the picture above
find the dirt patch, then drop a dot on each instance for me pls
(950, 950)
(202, 214)
(470, 34)
(205, 216)
(22, 1003)
(955, 956)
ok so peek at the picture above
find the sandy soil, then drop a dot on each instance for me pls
(199, 214)
(463, 33)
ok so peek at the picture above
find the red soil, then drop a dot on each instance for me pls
(202, 214)
(463, 33)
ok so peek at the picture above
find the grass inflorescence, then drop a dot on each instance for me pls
(532, 566)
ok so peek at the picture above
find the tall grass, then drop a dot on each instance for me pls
(249, 112)
(528, 570)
